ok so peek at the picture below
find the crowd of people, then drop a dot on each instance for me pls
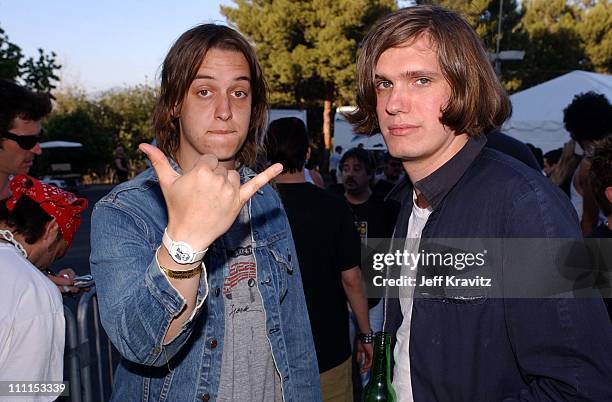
(228, 271)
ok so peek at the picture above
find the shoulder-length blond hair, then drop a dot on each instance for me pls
(180, 69)
(478, 103)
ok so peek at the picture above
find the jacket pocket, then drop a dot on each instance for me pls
(282, 266)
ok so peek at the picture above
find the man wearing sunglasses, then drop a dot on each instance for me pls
(21, 112)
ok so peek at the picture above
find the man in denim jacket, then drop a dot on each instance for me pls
(196, 270)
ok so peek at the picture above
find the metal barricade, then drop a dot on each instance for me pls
(79, 358)
(72, 352)
(90, 299)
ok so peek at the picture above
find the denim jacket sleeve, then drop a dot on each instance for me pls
(137, 302)
(562, 344)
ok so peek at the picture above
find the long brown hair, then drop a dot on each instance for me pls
(180, 69)
(478, 103)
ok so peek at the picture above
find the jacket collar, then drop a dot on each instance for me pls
(438, 184)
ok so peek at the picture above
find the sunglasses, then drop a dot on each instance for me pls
(25, 142)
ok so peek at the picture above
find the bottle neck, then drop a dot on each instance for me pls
(381, 364)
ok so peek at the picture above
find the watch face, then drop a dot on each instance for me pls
(181, 254)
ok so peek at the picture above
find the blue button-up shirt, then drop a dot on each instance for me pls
(494, 348)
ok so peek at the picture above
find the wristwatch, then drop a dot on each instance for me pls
(366, 338)
(180, 251)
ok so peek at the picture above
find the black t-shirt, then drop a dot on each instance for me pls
(374, 219)
(327, 244)
(382, 188)
(602, 231)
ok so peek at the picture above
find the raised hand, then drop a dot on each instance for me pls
(203, 202)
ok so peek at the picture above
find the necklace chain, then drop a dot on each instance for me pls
(9, 237)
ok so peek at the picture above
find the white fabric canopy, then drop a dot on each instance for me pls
(537, 115)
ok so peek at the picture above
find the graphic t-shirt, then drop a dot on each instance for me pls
(374, 219)
(248, 372)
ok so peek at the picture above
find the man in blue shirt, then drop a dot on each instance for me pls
(425, 81)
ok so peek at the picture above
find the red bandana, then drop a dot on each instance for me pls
(62, 205)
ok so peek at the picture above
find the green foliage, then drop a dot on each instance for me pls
(594, 30)
(553, 46)
(483, 16)
(10, 56)
(80, 125)
(307, 48)
(37, 74)
(557, 36)
(115, 118)
(133, 107)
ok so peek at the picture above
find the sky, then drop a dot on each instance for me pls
(104, 44)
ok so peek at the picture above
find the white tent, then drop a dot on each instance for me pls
(537, 115)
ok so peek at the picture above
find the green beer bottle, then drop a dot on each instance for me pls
(379, 387)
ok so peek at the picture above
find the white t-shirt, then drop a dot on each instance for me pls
(32, 326)
(401, 372)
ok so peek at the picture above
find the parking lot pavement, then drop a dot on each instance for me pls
(77, 257)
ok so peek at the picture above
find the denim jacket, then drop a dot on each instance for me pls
(137, 302)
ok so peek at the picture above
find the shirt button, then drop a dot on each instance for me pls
(205, 397)
(213, 344)
(217, 292)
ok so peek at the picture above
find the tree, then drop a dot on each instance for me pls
(114, 118)
(553, 45)
(38, 75)
(594, 30)
(132, 110)
(483, 16)
(89, 123)
(10, 56)
(308, 49)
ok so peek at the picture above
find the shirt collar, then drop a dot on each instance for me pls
(438, 184)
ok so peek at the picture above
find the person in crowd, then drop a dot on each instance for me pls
(600, 177)
(551, 159)
(511, 146)
(373, 217)
(37, 224)
(121, 165)
(328, 251)
(537, 154)
(392, 171)
(334, 161)
(196, 270)
(424, 79)
(21, 114)
(565, 168)
(587, 119)
(311, 171)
